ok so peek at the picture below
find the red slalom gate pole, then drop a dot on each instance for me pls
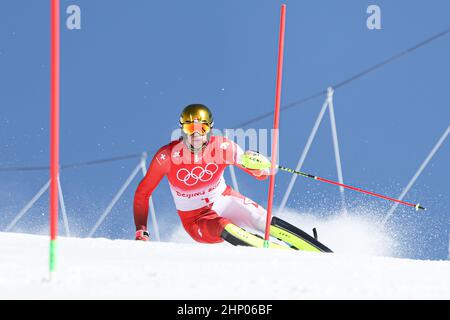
(275, 123)
(54, 126)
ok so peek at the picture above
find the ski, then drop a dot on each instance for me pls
(240, 237)
(296, 237)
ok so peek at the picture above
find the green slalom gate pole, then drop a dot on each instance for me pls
(52, 257)
(54, 127)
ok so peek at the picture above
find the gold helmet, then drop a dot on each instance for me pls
(196, 118)
(195, 113)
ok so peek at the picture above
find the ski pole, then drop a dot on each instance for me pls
(255, 160)
(307, 175)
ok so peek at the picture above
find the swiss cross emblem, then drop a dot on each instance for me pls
(161, 157)
(224, 145)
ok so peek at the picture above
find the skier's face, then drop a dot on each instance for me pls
(197, 140)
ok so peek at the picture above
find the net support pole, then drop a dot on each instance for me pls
(337, 154)
(418, 173)
(27, 207)
(54, 127)
(302, 158)
(115, 199)
(275, 123)
(63, 209)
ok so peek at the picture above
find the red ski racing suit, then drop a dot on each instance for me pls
(204, 202)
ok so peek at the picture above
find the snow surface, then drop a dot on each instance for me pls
(99, 268)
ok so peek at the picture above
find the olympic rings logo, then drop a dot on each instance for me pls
(197, 174)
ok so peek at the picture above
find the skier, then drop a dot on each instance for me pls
(209, 209)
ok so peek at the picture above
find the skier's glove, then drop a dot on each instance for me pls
(253, 160)
(256, 162)
(142, 235)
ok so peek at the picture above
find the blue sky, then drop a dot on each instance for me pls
(134, 65)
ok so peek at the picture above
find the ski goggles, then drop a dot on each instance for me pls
(192, 127)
